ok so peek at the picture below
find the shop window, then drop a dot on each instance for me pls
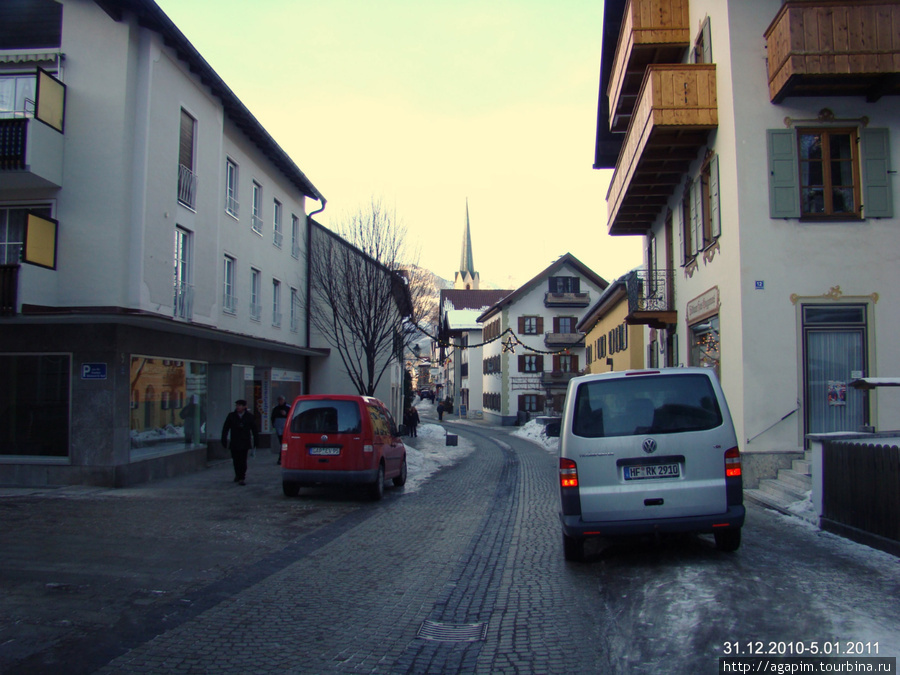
(705, 344)
(35, 396)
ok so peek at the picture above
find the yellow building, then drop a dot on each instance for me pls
(610, 343)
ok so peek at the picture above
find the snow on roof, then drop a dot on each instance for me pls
(463, 319)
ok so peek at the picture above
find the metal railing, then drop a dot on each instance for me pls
(650, 292)
(232, 206)
(184, 301)
(276, 319)
(256, 223)
(255, 311)
(13, 133)
(229, 304)
(187, 186)
(279, 238)
(9, 289)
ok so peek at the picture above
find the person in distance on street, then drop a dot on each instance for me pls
(279, 418)
(241, 426)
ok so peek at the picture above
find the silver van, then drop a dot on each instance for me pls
(646, 452)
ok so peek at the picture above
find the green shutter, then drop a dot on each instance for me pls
(697, 242)
(715, 219)
(784, 178)
(707, 42)
(876, 166)
(677, 224)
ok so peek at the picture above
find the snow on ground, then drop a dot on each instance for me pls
(427, 452)
(534, 431)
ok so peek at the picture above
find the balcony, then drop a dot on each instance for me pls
(653, 31)
(676, 110)
(651, 298)
(556, 378)
(31, 154)
(567, 299)
(9, 289)
(184, 301)
(560, 340)
(832, 48)
(187, 186)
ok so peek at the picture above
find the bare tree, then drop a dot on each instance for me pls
(361, 294)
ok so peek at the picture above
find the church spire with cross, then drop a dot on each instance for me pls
(467, 278)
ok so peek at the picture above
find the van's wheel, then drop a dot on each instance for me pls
(400, 481)
(376, 489)
(291, 489)
(728, 540)
(573, 548)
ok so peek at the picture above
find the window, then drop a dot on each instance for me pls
(229, 302)
(187, 180)
(531, 403)
(255, 306)
(700, 223)
(531, 363)
(565, 285)
(35, 399)
(184, 290)
(279, 232)
(827, 173)
(705, 344)
(231, 188)
(295, 310)
(17, 95)
(702, 51)
(531, 325)
(256, 210)
(276, 302)
(565, 363)
(295, 236)
(12, 230)
(564, 324)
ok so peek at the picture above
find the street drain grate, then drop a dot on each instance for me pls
(452, 632)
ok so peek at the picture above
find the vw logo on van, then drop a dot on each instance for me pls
(649, 445)
(324, 438)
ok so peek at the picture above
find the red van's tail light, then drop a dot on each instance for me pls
(368, 448)
(732, 463)
(568, 473)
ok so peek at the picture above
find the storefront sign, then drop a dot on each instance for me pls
(703, 306)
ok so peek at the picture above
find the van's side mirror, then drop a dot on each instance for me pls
(552, 429)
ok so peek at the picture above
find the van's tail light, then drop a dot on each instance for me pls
(368, 448)
(568, 473)
(732, 463)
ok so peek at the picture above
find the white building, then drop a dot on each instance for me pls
(532, 347)
(752, 145)
(163, 236)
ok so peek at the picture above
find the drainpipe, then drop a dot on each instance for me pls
(309, 228)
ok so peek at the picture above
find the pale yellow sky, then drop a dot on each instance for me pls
(427, 103)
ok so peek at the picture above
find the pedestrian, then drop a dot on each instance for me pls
(440, 409)
(412, 420)
(241, 426)
(279, 419)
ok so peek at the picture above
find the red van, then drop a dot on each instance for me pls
(340, 440)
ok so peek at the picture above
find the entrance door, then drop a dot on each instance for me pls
(834, 345)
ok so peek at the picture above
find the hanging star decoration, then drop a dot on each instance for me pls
(509, 345)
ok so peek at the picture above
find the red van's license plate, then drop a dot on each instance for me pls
(324, 451)
(652, 471)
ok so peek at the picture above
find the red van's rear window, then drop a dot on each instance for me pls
(326, 417)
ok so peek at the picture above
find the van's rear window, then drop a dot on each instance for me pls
(645, 405)
(326, 417)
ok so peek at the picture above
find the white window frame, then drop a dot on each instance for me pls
(278, 236)
(256, 222)
(229, 302)
(295, 236)
(276, 303)
(232, 205)
(255, 307)
(182, 258)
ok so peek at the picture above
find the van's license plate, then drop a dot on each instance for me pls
(652, 471)
(324, 451)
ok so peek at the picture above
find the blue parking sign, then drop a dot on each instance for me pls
(93, 371)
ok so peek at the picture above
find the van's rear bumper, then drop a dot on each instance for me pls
(318, 477)
(574, 526)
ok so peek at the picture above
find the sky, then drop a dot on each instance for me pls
(427, 106)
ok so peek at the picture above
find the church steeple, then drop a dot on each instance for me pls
(467, 278)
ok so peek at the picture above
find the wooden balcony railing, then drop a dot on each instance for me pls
(653, 31)
(676, 109)
(834, 48)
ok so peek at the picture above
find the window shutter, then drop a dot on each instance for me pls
(186, 141)
(521, 402)
(539, 363)
(521, 363)
(784, 179)
(555, 362)
(521, 324)
(540, 325)
(555, 324)
(541, 402)
(707, 42)
(677, 218)
(574, 363)
(715, 218)
(696, 217)
(876, 165)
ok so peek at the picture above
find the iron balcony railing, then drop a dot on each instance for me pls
(232, 206)
(255, 311)
(229, 303)
(256, 223)
(184, 301)
(279, 238)
(13, 133)
(276, 319)
(187, 186)
(650, 292)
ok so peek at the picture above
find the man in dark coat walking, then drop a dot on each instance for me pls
(242, 427)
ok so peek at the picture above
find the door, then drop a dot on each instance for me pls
(835, 352)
